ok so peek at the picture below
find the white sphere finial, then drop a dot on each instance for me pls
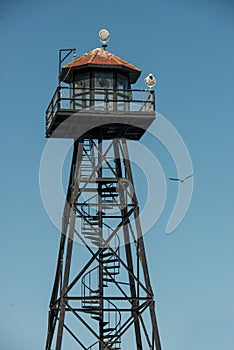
(150, 80)
(104, 36)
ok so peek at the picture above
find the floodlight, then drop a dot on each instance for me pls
(104, 35)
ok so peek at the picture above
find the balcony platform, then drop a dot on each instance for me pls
(96, 124)
(104, 119)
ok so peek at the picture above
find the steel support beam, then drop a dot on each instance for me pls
(110, 293)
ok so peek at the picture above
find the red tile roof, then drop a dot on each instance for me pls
(100, 57)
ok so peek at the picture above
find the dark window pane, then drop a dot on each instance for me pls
(103, 80)
(122, 82)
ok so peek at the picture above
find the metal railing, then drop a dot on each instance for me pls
(102, 100)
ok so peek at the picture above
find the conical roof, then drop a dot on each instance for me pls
(100, 58)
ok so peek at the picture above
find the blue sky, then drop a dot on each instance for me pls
(189, 47)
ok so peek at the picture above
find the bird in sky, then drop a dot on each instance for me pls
(180, 180)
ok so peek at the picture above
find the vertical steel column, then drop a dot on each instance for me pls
(67, 236)
(73, 193)
(66, 279)
(53, 314)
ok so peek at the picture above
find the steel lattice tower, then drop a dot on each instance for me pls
(102, 296)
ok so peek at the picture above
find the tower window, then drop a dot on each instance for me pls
(103, 80)
(122, 82)
(82, 81)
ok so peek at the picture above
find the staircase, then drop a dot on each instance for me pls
(109, 320)
(96, 281)
(87, 158)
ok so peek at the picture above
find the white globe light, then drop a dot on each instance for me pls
(104, 35)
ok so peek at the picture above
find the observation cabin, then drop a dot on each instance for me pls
(95, 98)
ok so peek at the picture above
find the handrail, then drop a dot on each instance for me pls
(114, 100)
(101, 89)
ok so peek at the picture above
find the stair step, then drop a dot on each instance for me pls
(108, 347)
(92, 232)
(88, 310)
(97, 243)
(112, 267)
(108, 261)
(109, 336)
(90, 302)
(95, 237)
(107, 189)
(89, 236)
(92, 237)
(96, 291)
(94, 219)
(92, 223)
(92, 309)
(110, 273)
(98, 318)
(109, 195)
(89, 219)
(107, 280)
(110, 329)
(107, 180)
(90, 229)
(107, 254)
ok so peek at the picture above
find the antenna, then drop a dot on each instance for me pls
(104, 36)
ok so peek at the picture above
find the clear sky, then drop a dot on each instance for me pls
(189, 46)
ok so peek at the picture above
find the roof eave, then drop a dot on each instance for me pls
(67, 72)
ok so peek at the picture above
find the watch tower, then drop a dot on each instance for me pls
(102, 296)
